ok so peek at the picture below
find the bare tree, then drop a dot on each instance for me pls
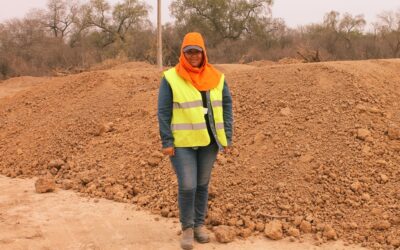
(349, 24)
(225, 19)
(59, 16)
(345, 27)
(117, 22)
(389, 29)
(331, 20)
(351, 27)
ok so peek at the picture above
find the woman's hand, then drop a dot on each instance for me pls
(170, 151)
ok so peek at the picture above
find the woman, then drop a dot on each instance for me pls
(195, 121)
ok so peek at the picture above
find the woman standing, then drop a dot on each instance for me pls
(195, 121)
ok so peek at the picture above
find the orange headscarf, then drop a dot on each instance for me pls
(204, 78)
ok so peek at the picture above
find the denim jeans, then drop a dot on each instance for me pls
(193, 169)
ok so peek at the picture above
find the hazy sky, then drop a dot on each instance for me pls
(294, 12)
(298, 12)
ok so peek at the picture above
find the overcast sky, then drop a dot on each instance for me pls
(294, 12)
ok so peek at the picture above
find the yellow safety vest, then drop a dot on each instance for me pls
(188, 124)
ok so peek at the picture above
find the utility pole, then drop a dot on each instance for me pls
(159, 36)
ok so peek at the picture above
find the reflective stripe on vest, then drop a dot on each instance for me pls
(188, 124)
(186, 105)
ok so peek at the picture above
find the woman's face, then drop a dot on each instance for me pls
(194, 57)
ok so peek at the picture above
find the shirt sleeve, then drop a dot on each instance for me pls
(227, 112)
(165, 114)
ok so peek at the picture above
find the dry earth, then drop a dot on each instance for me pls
(63, 220)
(316, 146)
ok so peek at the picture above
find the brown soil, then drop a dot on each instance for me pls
(311, 146)
(15, 85)
(63, 220)
(261, 63)
(288, 60)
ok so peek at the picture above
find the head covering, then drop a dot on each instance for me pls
(187, 48)
(205, 77)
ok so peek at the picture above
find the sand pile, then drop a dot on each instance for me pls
(317, 147)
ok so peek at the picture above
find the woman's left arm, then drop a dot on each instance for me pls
(228, 114)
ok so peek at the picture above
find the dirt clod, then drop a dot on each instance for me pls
(260, 226)
(394, 132)
(363, 133)
(285, 111)
(224, 234)
(329, 233)
(273, 230)
(382, 225)
(294, 232)
(43, 185)
(305, 227)
(57, 163)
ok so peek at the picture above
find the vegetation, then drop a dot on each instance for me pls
(71, 36)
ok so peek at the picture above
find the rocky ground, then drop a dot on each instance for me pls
(316, 147)
(63, 220)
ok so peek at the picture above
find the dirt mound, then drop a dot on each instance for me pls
(117, 65)
(135, 66)
(14, 85)
(122, 64)
(312, 147)
(231, 68)
(288, 60)
(261, 63)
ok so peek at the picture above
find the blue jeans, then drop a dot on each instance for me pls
(193, 168)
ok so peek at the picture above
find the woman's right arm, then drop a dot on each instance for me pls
(165, 114)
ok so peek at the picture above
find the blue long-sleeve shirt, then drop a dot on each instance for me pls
(165, 107)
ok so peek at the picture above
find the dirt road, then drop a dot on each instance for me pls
(63, 220)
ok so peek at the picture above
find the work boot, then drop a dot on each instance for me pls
(187, 239)
(201, 235)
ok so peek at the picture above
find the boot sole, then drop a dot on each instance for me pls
(187, 247)
(202, 241)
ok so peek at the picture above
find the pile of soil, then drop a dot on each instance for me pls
(288, 60)
(317, 147)
(16, 84)
(261, 63)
